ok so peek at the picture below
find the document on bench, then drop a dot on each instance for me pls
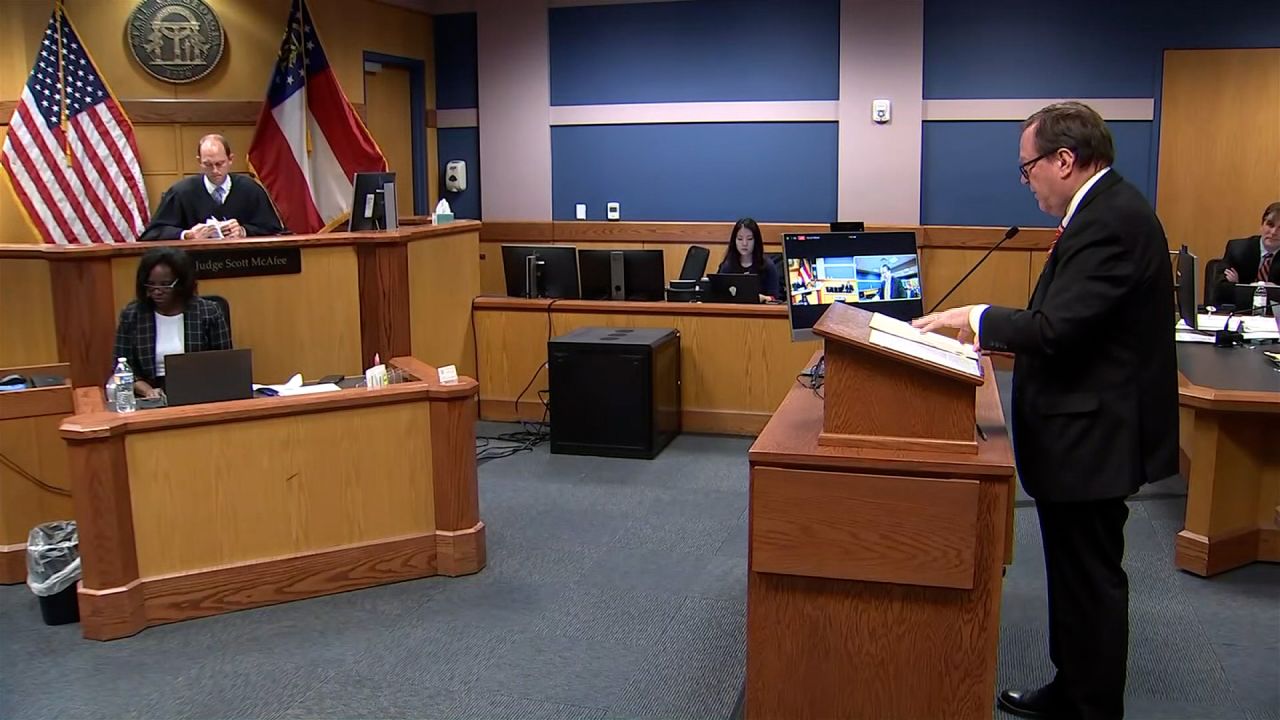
(932, 348)
(1254, 327)
(294, 386)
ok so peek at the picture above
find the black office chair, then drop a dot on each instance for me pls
(780, 264)
(695, 263)
(1212, 270)
(222, 304)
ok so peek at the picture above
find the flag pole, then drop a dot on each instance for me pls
(302, 43)
(62, 85)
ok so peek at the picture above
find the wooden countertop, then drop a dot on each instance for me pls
(405, 234)
(627, 307)
(791, 439)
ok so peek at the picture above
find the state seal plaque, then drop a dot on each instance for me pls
(179, 41)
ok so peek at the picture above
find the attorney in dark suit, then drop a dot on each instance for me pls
(237, 202)
(1095, 397)
(1251, 259)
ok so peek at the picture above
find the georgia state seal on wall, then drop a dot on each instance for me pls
(175, 40)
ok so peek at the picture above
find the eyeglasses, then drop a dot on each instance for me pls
(1025, 168)
(161, 288)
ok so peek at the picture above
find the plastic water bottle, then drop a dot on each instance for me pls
(111, 391)
(125, 401)
(1259, 298)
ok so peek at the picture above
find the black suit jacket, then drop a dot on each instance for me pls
(204, 328)
(1243, 254)
(189, 203)
(1095, 379)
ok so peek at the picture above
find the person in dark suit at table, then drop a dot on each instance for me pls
(1095, 397)
(1251, 259)
(166, 318)
(745, 254)
(237, 203)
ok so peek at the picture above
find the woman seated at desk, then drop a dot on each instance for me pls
(745, 254)
(167, 318)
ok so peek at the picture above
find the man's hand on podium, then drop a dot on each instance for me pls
(955, 319)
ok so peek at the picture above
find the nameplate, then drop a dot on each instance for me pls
(215, 264)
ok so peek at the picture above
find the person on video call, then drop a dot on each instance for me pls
(166, 317)
(1095, 397)
(1251, 259)
(214, 203)
(886, 282)
(745, 254)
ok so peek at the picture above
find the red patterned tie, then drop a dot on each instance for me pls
(1056, 234)
(1264, 268)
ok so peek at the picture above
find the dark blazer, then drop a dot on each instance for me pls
(770, 282)
(1243, 254)
(205, 329)
(189, 203)
(1095, 378)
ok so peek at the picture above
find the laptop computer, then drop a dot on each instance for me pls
(205, 377)
(734, 288)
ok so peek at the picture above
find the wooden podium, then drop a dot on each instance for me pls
(879, 527)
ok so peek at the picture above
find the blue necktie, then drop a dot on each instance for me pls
(217, 194)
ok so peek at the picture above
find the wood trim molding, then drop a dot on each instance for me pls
(522, 232)
(1208, 398)
(58, 369)
(84, 315)
(13, 566)
(1206, 557)
(109, 424)
(104, 512)
(453, 465)
(383, 272)
(400, 236)
(461, 552)
(192, 112)
(122, 611)
(494, 303)
(36, 402)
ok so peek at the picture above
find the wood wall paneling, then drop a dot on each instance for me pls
(1002, 280)
(387, 92)
(1218, 170)
(27, 334)
(444, 278)
(384, 301)
(279, 486)
(85, 317)
(32, 444)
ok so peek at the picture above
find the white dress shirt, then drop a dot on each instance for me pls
(170, 339)
(975, 312)
(226, 187)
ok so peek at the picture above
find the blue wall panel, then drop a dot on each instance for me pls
(461, 144)
(455, 39)
(716, 171)
(1076, 48)
(970, 172)
(709, 50)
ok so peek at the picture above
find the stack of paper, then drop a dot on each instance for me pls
(933, 348)
(1254, 327)
(294, 386)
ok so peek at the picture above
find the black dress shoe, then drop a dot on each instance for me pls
(1039, 703)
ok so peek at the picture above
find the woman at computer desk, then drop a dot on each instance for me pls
(166, 318)
(745, 254)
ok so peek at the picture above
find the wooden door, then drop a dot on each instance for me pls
(387, 104)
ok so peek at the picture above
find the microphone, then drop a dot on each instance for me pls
(1226, 337)
(1007, 234)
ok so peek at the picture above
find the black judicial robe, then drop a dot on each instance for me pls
(189, 203)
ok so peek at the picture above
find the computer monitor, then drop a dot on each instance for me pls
(879, 271)
(850, 226)
(1184, 279)
(373, 202)
(622, 274)
(541, 271)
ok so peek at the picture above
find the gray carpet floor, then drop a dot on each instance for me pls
(615, 589)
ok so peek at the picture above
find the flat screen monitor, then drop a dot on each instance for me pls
(622, 274)
(1184, 279)
(878, 271)
(373, 202)
(541, 271)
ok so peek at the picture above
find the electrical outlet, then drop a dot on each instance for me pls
(580, 211)
(613, 211)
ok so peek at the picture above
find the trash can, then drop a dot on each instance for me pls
(53, 569)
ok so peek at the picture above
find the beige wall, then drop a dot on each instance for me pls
(253, 30)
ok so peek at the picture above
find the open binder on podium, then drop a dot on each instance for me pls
(890, 386)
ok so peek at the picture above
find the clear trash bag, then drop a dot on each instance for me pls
(53, 557)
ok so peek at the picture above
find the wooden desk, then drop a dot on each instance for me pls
(1230, 410)
(192, 511)
(405, 292)
(737, 361)
(874, 576)
(33, 465)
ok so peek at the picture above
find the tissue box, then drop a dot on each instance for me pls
(441, 218)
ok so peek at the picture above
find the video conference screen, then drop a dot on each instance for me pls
(878, 271)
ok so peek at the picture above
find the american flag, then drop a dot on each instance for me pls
(70, 151)
(309, 141)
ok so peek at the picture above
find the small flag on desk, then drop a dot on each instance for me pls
(309, 141)
(70, 150)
